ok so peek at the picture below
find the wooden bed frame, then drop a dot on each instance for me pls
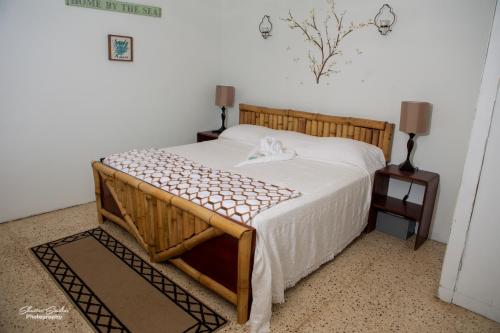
(212, 249)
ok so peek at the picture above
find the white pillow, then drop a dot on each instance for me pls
(334, 150)
(250, 134)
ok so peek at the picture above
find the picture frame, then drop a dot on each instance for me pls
(120, 48)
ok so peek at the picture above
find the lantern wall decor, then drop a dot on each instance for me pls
(265, 26)
(385, 19)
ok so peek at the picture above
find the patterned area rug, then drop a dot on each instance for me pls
(117, 291)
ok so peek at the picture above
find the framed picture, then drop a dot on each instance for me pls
(120, 48)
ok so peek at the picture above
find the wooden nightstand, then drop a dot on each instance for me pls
(418, 212)
(207, 136)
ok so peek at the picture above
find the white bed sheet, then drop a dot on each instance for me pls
(297, 236)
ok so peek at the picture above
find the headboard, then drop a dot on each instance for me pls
(375, 132)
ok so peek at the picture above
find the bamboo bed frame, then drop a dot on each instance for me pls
(212, 249)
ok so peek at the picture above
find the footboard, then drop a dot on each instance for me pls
(168, 226)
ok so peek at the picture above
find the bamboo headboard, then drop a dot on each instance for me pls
(375, 132)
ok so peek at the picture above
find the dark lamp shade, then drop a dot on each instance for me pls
(224, 96)
(415, 117)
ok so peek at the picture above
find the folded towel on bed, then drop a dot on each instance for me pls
(268, 150)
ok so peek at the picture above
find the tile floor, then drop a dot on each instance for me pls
(378, 284)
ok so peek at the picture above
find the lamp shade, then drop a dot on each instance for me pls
(415, 117)
(224, 96)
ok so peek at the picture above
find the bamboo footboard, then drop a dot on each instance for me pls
(167, 226)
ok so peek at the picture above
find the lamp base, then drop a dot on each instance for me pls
(406, 165)
(223, 118)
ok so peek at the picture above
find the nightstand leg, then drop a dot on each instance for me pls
(372, 220)
(380, 187)
(428, 209)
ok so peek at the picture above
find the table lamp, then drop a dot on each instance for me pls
(415, 119)
(224, 96)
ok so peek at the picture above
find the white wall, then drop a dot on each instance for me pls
(63, 104)
(471, 269)
(435, 53)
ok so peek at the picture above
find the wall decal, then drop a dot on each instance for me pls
(322, 41)
(120, 48)
(117, 6)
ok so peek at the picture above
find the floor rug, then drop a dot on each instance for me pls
(117, 291)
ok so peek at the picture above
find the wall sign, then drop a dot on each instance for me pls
(117, 6)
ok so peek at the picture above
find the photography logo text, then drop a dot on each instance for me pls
(48, 313)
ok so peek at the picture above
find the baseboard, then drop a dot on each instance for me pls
(484, 309)
(43, 212)
(445, 294)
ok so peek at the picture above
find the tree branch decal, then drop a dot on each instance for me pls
(327, 46)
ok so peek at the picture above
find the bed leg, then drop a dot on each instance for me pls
(98, 202)
(244, 257)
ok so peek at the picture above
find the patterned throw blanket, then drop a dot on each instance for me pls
(232, 195)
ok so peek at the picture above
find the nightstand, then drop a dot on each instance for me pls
(207, 136)
(421, 213)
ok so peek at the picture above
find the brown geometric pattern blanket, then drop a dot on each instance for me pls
(229, 194)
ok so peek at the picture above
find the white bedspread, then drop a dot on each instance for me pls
(297, 236)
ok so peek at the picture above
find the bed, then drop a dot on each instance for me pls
(224, 255)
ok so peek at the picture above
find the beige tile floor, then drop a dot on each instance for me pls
(378, 284)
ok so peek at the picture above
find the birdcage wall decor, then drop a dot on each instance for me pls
(385, 19)
(265, 27)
